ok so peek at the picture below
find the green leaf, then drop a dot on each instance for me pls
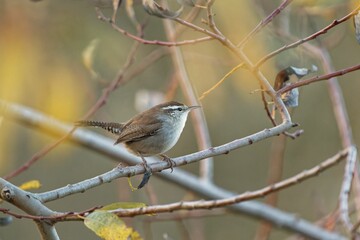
(123, 205)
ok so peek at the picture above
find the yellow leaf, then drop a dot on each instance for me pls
(109, 226)
(135, 236)
(33, 184)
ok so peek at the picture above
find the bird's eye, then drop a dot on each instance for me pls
(180, 109)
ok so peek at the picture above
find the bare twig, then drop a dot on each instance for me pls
(221, 81)
(345, 131)
(210, 17)
(343, 126)
(264, 22)
(311, 37)
(239, 198)
(319, 78)
(226, 201)
(152, 42)
(346, 188)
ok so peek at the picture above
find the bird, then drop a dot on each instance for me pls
(149, 133)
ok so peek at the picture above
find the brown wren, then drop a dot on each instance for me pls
(149, 133)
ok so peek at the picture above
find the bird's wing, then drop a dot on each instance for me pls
(134, 132)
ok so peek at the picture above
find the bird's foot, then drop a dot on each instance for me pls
(169, 160)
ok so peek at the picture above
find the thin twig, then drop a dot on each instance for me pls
(342, 119)
(319, 78)
(103, 144)
(264, 22)
(210, 17)
(228, 74)
(152, 42)
(311, 37)
(210, 204)
(241, 197)
(239, 53)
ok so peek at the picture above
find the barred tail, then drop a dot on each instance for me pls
(109, 126)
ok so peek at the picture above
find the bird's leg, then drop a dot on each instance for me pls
(147, 174)
(147, 167)
(169, 160)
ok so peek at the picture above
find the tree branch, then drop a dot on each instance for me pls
(104, 146)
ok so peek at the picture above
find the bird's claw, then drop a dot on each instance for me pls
(170, 161)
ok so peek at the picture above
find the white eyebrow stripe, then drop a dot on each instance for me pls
(172, 107)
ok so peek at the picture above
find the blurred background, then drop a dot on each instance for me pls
(45, 52)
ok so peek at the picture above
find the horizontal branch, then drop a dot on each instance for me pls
(210, 204)
(103, 145)
(191, 205)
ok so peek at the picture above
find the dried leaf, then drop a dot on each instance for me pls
(33, 184)
(291, 98)
(145, 179)
(153, 8)
(301, 72)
